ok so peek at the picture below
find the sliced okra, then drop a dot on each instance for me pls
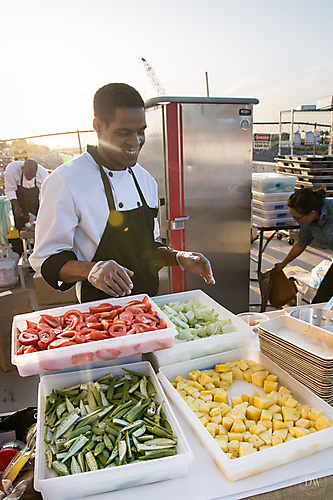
(60, 468)
(48, 435)
(159, 454)
(91, 461)
(49, 457)
(75, 467)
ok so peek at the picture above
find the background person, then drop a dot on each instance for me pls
(314, 213)
(23, 181)
(97, 222)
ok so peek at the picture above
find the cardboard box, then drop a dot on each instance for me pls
(12, 302)
(46, 295)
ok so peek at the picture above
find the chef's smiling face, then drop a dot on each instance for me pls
(121, 140)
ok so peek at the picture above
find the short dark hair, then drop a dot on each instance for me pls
(112, 96)
(305, 200)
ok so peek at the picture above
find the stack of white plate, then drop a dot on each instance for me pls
(304, 351)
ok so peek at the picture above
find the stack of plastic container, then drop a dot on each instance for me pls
(270, 193)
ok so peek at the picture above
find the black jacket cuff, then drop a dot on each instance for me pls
(51, 267)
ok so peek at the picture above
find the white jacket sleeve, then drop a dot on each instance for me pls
(10, 183)
(56, 221)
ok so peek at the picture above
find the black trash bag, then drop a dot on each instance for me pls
(20, 422)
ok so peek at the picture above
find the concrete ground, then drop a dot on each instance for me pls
(18, 392)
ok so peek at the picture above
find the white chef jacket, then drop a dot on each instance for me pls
(74, 208)
(13, 174)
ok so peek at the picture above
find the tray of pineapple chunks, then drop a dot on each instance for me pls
(248, 413)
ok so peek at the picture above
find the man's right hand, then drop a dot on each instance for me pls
(18, 212)
(111, 278)
(278, 267)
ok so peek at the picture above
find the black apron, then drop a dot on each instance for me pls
(128, 238)
(28, 200)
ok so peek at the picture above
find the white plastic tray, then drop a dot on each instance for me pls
(125, 476)
(259, 221)
(271, 214)
(270, 197)
(270, 205)
(184, 351)
(271, 182)
(265, 459)
(70, 357)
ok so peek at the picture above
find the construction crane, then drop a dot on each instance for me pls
(160, 90)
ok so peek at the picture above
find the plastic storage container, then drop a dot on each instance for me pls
(270, 197)
(271, 182)
(260, 222)
(183, 351)
(68, 357)
(109, 479)
(264, 459)
(270, 206)
(271, 214)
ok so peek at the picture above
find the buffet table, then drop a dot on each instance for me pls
(308, 477)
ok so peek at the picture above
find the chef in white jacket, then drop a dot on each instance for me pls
(97, 221)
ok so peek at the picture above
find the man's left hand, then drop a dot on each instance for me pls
(196, 263)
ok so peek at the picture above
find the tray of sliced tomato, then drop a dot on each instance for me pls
(66, 337)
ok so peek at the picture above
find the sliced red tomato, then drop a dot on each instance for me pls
(68, 334)
(134, 310)
(82, 359)
(147, 318)
(96, 326)
(101, 308)
(99, 335)
(141, 327)
(161, 324)
(42, 345)
(131, 303)
(73, 314)
(90, 318)
(47, 336)
(53, 321)
(146, 307)
(22, 349)
(28, 338)
(31, 324)
(117, 330)
(108, 354)
(81, 325)
(126, 315)
(30, 349)
(146, 300)
(82, 335)
(60, 343)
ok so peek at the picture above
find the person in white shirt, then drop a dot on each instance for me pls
(23, 180)
(97, 222)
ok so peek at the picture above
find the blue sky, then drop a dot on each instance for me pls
(57, 53)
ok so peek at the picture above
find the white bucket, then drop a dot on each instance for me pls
(8, 271)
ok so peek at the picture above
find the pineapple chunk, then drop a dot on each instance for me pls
(257, 429)
(180, 379)
(222, 430)
(204, 407)
(266, 437)
(226, 377)
(227, 422)
(272, 377)
(315, 413)
(258, 378)
(217, 419)
(204, 379)
(249, 424)
(195, 405)
(248, 374)
(224, 409)
(298, 432)
(238, 426)
(221, 396)
(256, 441)
(278, 416)
(279, 424)
(266, 415)
(222, 441)
(276, 440)
(291, 403)
(282, 433)
(236, 400)
(242, 365)
(211, 426)
(223, 368)
(290, 414)
(211, 430)
(193, 375)
(303, 422)
(261, 402)
(242, 407)
(206, 397)
(270, 385)
(235, 436)
(246, 449)
(233, 447)
(237, 373)
(266, 423)
(246, 435)
(322, 423)
(284, 390)
(215, 411)
(253, 413)
(204, 420)
(245, 398)
(283, 399)
(254, 394)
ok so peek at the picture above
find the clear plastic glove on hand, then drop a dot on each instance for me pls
(196, 263)
(111, 278)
